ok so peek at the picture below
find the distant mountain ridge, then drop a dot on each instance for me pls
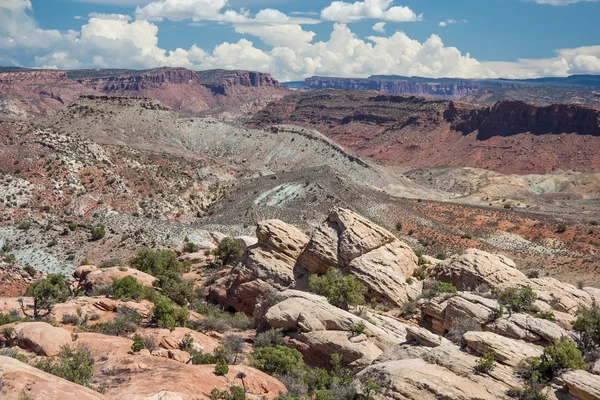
(47, 91)
(579, 89)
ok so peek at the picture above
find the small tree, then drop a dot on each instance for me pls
(128, 288)
(228, 250)
(369, 387)
(517, 298)
(486, 363)
(46, 293)
(340, 290)
(167, 315)
(278, 360)
(587, 326)
(221, 367)
(156, 263)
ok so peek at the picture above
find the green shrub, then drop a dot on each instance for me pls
(73, 365)
(340, 290)
(486, 363)
(126, 321)
(369, 387)
(420, 274)
(24, 225)
(113, 262)
(46, 293)
(70, 319)
(220, 321)
(435, 288)
(466, 236)
(549, 315)
(517, 299)
(128, 288)
(72, 226)
(561, 356)
(167, 315)
(398, 226)
(228, 250)
(8, 319)
(98, 232)
(587, 327)
(190, 247)
(270, 338)
(233, 345)
(561, 228)
(14, 353)
(138, 344)
(359, 328)
(278, 360)
(156, 263)
(179, 290)
(221, 368)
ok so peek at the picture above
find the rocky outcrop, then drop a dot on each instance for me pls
(416, 379)
(181, 89)
(42, 338)
(582, 385)
(267, 266)
(365, 250)
(90, 277)
(417, 132)
(507, 351)
(475, 267)
(20, 380)
(325, 329)
(146, 375)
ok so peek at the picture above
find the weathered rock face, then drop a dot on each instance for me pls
(367, 251)
(416, 379)
(267, 266)
(42, 338)
(20, 379)
(476, 267)
(507, 351)
(438, 132)
(582, 385)
(324, 328)
(148, 375)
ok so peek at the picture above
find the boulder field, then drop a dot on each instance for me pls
(412, 341)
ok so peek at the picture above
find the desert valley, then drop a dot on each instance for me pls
(177, 234)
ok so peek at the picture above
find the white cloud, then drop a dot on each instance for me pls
(341, 11)
(562, 2)
(286, 50)
(379, 27)
(452, 21)
(16, 5)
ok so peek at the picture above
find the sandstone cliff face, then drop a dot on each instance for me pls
(184, 90)
(509, 137)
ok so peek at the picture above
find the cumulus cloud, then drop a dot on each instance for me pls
(341, 11)
(286, 50)
(16, 5)
(452, 21)
(379, 27)
(213, 10)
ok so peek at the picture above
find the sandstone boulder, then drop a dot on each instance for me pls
(415, 379)
(384, 272)
(42, 338)
(508, 351)
(321, 252)
(90, 277)
(476, 267)
(582, 385)
(20, 380)
(284, 238)
(267, 266)
(425, 338)
(172, 354)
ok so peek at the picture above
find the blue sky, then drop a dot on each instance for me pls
(293, 38)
